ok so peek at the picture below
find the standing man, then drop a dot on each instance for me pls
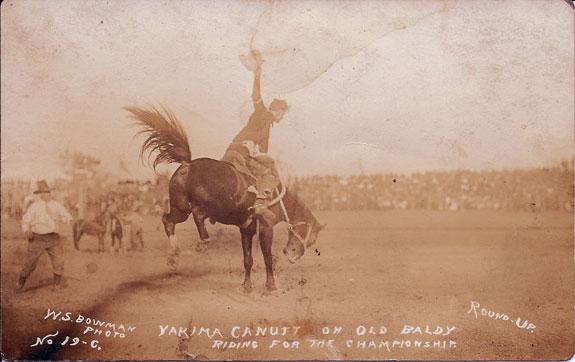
(136, 222)
(40, 226)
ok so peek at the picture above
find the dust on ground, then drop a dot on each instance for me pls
(370, 268)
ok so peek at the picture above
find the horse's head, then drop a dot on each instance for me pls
(303, 227)
(302, 235)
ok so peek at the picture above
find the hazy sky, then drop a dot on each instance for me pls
(372, 86)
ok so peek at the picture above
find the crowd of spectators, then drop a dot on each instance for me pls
(86, 200)
(548, 188)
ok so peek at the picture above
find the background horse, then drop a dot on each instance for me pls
(208, 188)
(96, 227)
(117, 233)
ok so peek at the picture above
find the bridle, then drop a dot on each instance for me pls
(291, 227)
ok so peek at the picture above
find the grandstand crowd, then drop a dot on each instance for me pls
(549, 188)
(540, 189)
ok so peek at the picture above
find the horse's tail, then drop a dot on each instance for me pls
(165, 135)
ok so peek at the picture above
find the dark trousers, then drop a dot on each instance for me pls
(261, 166)
(40, 243)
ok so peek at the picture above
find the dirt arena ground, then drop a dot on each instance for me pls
(381, 269)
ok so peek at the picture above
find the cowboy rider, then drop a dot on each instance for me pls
(250, 146)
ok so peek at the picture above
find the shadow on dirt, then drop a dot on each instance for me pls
(156, 283)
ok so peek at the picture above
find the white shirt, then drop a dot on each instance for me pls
(28, 200)
(42, 217)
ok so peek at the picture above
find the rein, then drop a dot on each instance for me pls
(291, 227)
(279, 199)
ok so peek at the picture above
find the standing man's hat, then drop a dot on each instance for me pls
(42, 187)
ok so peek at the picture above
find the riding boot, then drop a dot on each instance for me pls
(261, 209)
(20, 285)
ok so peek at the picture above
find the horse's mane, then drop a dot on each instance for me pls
(165, 135)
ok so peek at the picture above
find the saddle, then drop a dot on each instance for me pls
(260, 168)
(257, 173)
(242, 169)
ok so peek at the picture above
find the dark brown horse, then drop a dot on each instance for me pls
(98, 228)
(208, 188)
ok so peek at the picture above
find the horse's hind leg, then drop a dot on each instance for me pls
(120, 235)
(77, 234)
(199, 218)
(121, 244)
(77, 240)
(175, 216)
(247, 236)
(266, 235)
(113, 235)
(101, 247)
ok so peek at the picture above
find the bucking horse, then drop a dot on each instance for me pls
(208, 188)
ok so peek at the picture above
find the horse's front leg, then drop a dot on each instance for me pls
(266, 235)
(247, 236)
(101, 243)
(112, 242)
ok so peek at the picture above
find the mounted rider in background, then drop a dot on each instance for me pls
(248, 150)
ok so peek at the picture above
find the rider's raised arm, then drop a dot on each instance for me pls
(256, 92)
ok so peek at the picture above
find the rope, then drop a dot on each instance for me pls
(280, 196)
(284, 210)
(291, 227)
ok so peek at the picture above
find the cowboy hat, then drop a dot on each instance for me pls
(42, 187)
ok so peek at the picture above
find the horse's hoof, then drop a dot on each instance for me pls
(247, 287)
(172, 265)
(201, 247)
(271, 287)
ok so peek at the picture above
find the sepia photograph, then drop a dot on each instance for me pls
(287, 180)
